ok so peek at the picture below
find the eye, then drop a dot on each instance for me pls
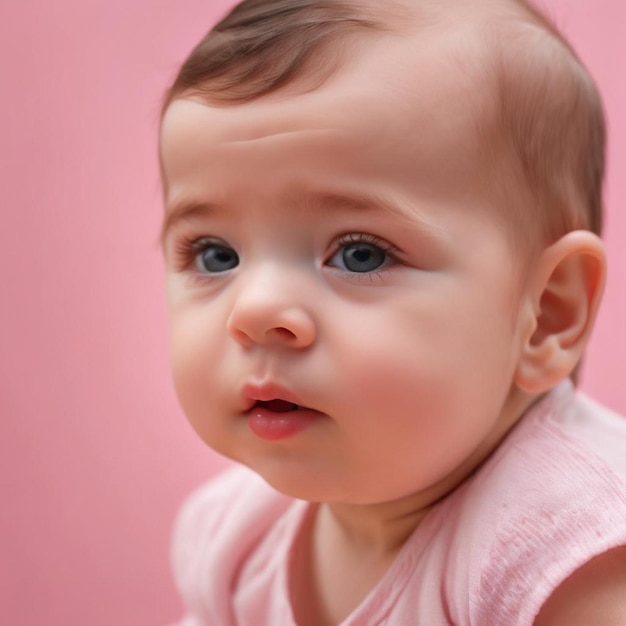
(215, 257)
(360, 253)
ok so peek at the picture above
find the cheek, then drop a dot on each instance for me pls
(416, 406)
(194, 361)
(433, 360)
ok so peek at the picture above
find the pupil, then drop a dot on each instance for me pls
(363, 257)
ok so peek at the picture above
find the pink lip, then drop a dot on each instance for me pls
(267, 391)
(273, 425)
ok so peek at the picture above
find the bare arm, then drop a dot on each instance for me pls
(594, 594)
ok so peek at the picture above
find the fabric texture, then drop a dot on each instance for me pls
(550, 498)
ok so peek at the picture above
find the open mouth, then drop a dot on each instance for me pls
(278, 419)
(277, 405)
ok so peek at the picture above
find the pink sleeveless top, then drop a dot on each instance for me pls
(552, 497)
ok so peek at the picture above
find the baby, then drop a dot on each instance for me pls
(381, 240)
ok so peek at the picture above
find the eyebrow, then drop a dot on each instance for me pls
(364, 203)
(326, 201)
(182, 211)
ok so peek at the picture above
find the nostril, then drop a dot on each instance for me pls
(282, 333)
(240, 336)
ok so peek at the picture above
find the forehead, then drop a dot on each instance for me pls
(399, 105)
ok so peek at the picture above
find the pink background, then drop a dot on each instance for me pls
(95, 455)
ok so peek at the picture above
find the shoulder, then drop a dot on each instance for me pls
(543, 509)
(593, 594)
(210, 505)
(219, 513)
(602, 430)
(216, 528)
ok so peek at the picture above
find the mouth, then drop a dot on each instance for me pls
(270, 397)
(274, 414)
(277, 405)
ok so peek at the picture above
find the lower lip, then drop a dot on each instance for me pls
(272, 426)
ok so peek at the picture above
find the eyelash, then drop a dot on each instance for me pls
(349, 238)
(187, 249)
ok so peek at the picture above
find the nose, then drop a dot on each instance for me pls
(269, 313)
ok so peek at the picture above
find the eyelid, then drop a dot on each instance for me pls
(357, 237)
(187, 248)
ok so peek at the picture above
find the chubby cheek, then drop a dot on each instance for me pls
(423, 390)
(195, 366)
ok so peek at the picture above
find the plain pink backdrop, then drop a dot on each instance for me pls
(95, 455)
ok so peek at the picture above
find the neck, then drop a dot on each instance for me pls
(378, 528)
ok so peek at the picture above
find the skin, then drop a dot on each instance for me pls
(417, 368)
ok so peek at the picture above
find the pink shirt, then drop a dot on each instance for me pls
(549, 499)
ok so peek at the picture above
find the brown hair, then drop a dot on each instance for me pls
(263, 45)
(550, 113)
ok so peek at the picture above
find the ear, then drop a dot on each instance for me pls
(565, 289)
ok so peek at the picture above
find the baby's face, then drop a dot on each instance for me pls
(333, 250)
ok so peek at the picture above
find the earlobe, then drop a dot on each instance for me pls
(565, 288)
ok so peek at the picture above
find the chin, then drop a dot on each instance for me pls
(298, 483)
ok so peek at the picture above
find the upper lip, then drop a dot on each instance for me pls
(263, 392)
